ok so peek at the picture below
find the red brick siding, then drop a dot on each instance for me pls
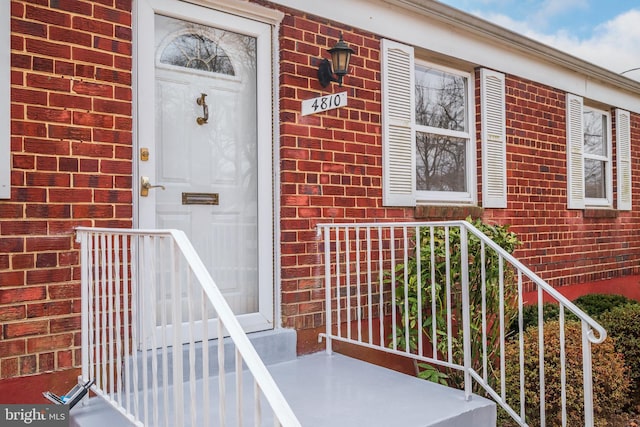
(331, 163)
(72, 162)
(562, 246)
(71, 143)
(331, 171)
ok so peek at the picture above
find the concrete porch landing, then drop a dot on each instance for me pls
(339, 391)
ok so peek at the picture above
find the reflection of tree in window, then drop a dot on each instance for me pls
(440, 99)
(198, 52)
(595, 152)
(440, 104)
(441, 163)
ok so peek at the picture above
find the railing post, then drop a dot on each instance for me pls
(327, 287)
(587, 375)
(466, 316)
(81, 237)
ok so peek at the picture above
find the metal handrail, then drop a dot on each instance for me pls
(112, 278)
(359, 256)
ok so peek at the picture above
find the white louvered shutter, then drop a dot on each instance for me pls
(575, 161)
(398, 166)
(494, 139)
(623, 150)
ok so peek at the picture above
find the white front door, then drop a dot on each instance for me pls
(205, 136)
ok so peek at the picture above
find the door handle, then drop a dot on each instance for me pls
(205, 109)
(145, 186)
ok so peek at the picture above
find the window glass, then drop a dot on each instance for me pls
(441, 163)
(595, 139)
(198, 52)
(597, 157)
(594, 179)
(441, 99)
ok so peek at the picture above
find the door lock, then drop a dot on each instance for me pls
(145, 186)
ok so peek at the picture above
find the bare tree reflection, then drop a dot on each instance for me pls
(441, 104)
(595, 152)
(202, 48)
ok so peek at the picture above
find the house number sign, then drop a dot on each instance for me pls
(324, 103)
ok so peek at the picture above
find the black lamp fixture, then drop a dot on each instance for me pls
(339, 65)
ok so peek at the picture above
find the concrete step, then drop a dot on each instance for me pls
(328, 390)
(273, 347)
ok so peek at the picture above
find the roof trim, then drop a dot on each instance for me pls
(449, 15)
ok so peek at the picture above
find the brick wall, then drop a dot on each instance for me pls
(331, 163)
(71, 146)
(563, 246)
(331, 171)
(72, 164)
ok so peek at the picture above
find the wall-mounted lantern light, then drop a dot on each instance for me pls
(340, 57)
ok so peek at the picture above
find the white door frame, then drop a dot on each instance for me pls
(144, 115)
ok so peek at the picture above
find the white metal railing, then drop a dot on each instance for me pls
(371, 275)
(138, 284)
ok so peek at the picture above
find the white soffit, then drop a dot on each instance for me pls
(434, 26)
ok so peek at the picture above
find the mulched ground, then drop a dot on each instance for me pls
(625, 420)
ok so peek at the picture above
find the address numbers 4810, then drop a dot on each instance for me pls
(324, 103)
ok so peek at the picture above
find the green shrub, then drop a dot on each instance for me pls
(592, 304)
(623, 325)
(501, 236)
(551, 311)
(610, 377)
(596, 304)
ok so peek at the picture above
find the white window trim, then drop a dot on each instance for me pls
(606, 202)
(449, 197)
(5, 100)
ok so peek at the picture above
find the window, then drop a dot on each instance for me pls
(5, 100)
(597, 157)
(590, 156)
(198, 52)
(442, 137)
(429, 132)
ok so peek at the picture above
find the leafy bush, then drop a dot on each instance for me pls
(610, 376)
(500, 235)
(596, 304)
(550, 310)
(623, 326)
(592, 304)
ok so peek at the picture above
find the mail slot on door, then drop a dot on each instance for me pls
(200, 198)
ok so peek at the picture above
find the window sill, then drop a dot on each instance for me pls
(599, 213)
(440, 212)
